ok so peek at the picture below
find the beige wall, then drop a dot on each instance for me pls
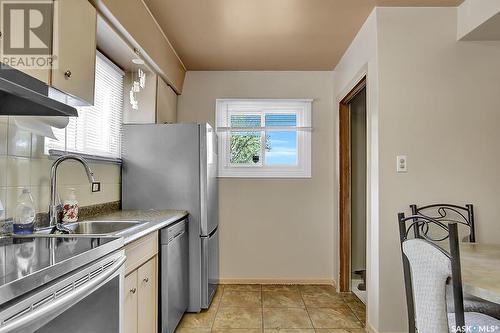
(437, 102)
(273, 229)
(360, 59)
(479, 20)
(23, 164)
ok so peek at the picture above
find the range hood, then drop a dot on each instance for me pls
(23, 95)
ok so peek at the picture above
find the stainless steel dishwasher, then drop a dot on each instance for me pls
(174, 282)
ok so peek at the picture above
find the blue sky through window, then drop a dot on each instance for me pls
(283, 144)
(283, 148)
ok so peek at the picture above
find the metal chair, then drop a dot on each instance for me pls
(464, 217)
(444, 213)
(427, 267)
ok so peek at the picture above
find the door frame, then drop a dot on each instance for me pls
(345, 185)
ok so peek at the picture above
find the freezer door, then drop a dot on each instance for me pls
(161, 168)
(208, 176)
(210, 268)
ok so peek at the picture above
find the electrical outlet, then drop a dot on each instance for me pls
(96, 187)
(402, 164)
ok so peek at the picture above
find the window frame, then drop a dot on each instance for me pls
(302, 108)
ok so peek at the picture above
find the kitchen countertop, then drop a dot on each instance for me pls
(156, 219)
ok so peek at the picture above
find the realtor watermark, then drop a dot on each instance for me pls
(28, 31)
(476, 329)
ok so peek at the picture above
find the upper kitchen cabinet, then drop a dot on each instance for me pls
(133, 21)
(166, 103)
(74, 46)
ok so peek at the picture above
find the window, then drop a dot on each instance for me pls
(264, 138)
(97, 129)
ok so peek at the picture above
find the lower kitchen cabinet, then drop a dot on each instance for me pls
(147, 296)
(140, 313)
(140, 301)
(130, 304)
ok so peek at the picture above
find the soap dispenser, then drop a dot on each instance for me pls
(70, 207)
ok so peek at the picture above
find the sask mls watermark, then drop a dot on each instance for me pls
(27, 33)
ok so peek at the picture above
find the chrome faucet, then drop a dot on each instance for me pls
(53, 208)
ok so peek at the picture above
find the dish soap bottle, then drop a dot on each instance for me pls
(70, 208)
(24, 219)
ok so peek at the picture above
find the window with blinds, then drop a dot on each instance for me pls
(264, 138)
(97, 129)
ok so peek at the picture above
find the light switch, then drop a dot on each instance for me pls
(96, 187)
(402, 165)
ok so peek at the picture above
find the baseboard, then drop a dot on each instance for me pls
(370, 329)
(278, 281)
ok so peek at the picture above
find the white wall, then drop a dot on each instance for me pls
(273, 230)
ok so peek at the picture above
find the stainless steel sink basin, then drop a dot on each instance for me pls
(99, 228)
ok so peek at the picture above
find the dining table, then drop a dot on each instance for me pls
(480, 265)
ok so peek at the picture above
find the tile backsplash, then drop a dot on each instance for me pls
(24, 164)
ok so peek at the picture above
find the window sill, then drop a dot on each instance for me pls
(246, 173)
(91, 158)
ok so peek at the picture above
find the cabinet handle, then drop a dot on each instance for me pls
(146, 279)
(133, 290)
(67, 74)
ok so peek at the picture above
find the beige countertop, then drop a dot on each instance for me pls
(481, 270)
(155, 220)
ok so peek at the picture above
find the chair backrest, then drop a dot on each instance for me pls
(426, 268)
(430, 269)
(447, 213)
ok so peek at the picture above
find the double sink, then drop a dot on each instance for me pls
(96, 228)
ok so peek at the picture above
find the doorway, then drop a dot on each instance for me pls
(353, 162)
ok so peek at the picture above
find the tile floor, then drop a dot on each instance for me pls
(278, 308)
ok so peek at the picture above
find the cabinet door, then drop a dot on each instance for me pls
(130, 305)
(166, 103)
(74, 45)
(147, 283)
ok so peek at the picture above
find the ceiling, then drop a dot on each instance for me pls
(266, 34)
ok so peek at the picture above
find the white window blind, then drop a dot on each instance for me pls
(97, 129)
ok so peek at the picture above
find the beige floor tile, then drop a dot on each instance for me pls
(316, 300)
(218, 293)
(289, 330)
(244, 299)
(286, 318)
(242, 287)
(340, 317)
(204, 319)
(237, 330)
(192, 330)
(340, 330)
(318, 289)
(350, 297)
(282, 299)
(358, 308)
(280, 287)
(238, 318)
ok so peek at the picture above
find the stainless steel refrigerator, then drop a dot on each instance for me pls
(174, 166)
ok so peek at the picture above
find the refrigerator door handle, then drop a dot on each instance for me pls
(210, 234)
